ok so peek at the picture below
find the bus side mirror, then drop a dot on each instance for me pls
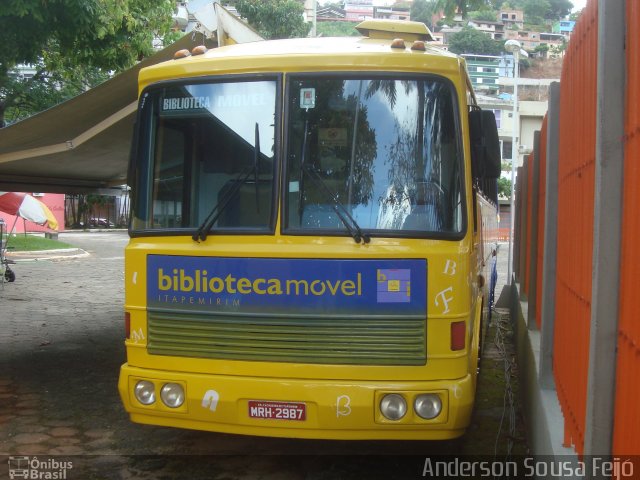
(485, 144)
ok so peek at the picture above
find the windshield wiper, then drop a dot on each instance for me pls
(210, 220)
(341, 211)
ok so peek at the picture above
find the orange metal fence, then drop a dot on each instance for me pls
(575, 234)
(626, 438)
(576, 177)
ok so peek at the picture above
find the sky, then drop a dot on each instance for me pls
(578, 4)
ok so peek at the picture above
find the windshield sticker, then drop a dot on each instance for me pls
(332, 137)
(185, 103)
(263, 285)
(307, 98)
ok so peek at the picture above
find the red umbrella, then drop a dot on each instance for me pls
(30, 208)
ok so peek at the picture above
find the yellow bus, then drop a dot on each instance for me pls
(310, 239)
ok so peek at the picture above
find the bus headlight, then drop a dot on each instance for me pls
(172, 395)
(428, 405)
(393, 406)
(144, 392)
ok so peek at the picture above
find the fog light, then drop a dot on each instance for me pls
(428, 405)
(145, 392)
(393, 406)
(172, 395)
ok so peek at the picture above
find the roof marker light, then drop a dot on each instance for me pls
(418, 45)
(398, 43)
(181, 54)
(199, 50)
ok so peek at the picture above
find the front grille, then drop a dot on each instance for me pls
(364, 340)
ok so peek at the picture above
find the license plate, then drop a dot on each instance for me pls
(278, 410)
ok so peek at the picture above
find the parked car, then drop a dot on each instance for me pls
(101, 222)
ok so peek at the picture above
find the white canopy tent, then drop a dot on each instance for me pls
(82, 145)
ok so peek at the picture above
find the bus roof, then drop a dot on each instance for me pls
(309, 54)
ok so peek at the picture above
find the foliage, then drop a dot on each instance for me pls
(497, 4)
(451, 7)
(535, 9)
(74, 41)
(575, 15)
(274, 18)
(337, 29)
(542, 9)
(423, 11)
(470, 40)
(504, 187)
(543, 48)
(559, 9)
(486, 15)
(523, 64)
(46, 89)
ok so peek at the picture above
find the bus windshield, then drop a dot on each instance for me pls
(210, 148)
(366, 155)
(385, 150)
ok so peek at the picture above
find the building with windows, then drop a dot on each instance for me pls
(503, 111)
(330, 14)
(484, 71)
(494, 29)
(359, 10)
(531, 40)
(511, 18)
(564, 27)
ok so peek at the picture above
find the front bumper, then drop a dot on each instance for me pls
(341, 410)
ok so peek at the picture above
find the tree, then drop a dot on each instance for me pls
(423, 11)
(274, 18)
(451, 7)
(575, 15)
(535, 10)
(63, 39)
(337, 29)
(470, 40)
(46, 88)
(504, 187)
(486, 15)
(559, 9)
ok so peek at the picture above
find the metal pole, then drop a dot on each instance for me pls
(514, 156)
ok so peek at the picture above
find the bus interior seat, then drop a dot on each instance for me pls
(427, 209)
(424, 217)
(317, 211)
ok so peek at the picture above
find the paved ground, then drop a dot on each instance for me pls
(61, 346)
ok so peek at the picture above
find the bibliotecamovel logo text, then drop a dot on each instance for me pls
(291, 285)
